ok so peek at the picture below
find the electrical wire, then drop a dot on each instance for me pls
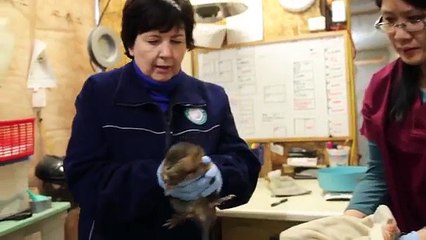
(91, 65)
(103, 11)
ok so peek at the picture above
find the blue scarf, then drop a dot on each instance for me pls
(159, 90)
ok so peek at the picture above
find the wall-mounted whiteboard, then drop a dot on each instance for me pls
(288, 89)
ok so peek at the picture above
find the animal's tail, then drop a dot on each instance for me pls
(208, 231)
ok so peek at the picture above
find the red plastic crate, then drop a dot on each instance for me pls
(16, 139)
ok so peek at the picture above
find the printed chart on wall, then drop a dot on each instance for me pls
(284, 90)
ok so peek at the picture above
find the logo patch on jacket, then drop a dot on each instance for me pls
(196, 115)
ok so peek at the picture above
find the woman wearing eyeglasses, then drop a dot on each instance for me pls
(394, 112)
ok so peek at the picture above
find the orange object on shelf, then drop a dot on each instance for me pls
(16, 139)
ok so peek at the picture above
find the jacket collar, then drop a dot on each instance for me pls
(131, 91)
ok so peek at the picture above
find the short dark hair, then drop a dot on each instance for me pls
(415, 3)
(406, 89)
(140, 16)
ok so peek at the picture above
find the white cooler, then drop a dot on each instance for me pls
(16, 145)
(13, 187)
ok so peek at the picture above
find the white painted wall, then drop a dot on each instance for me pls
(187, 64)
(373, 52)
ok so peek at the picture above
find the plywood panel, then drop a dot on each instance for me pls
(15, 98)
(279, 23)
(15, 101)
(71, 68)
(64, 15)
(64, 25)
(112, 19)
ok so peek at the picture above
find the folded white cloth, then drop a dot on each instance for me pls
(284, 185)
(342, 227)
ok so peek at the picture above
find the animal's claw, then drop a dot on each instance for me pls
(222, 200)
(172, 222)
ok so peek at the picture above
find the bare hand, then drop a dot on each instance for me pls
(354, 213)
(391, 230)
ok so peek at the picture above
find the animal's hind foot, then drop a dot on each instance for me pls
(172, 222)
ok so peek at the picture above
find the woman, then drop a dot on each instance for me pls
(394, 113)
(128, 118)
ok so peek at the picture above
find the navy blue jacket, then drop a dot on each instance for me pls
(120, 136)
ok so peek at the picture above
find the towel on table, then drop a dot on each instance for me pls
(342, 227)
(284, 186)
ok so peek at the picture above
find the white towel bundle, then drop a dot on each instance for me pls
(342, 227)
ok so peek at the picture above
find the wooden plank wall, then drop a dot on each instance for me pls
(279, 23)
(15, 100)
(112, 19)
(64, 25)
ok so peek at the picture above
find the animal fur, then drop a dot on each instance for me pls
(182, 163)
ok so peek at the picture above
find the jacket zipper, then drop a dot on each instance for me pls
(168, 120)
(91, 230)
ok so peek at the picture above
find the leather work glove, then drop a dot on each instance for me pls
(193, 189)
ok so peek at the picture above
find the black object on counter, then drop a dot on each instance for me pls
(51, 171)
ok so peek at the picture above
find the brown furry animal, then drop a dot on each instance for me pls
(183, 162)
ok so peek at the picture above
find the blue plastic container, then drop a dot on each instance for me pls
(340, 179)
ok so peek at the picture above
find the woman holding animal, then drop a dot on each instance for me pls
(128, 118)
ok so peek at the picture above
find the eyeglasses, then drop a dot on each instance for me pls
(411, 25)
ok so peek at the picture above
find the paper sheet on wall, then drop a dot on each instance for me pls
(40, 74)
(247, 26)
(39, 98)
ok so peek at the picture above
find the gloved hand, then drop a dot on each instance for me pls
(193, 189)
(159, 177)
(410, 236)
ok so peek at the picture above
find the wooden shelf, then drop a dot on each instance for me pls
(304, 36)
